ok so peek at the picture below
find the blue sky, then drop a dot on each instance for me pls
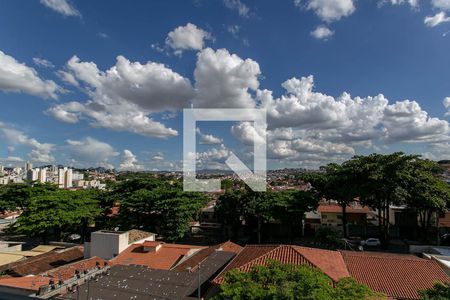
(103, 83)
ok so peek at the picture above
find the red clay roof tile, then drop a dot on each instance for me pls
(398, 276)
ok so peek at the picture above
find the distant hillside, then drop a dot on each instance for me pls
(444, 162)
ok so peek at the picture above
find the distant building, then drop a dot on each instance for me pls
(42, 176)
(65, 178)
(28, 166)
(2, 170)
(33, 174)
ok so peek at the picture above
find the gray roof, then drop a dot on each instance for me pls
(142, 283)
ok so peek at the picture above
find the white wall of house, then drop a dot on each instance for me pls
(108, 244)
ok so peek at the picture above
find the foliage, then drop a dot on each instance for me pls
(157, 205)
(327, 236)
(17, 195)
(283, 281)
(57, 212)
(440, 291)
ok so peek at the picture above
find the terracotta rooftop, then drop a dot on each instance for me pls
(329, 262)
(62, 273)
(158, 255)
(334, 208)
(398, 276)
(44, 262)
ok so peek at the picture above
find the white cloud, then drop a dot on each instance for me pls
(18, 77)
(446, 103)
(68, 78)
(208, 139)
(439, 18)
(188, 37)
(213, 158)
(322, 33)
(158, 156)
(90, 152)
(413, 3)
(40, 152)
(129, 162)
(123, 97)
(238, 6)
(63, 7)
(43, 62)
(406, 121)
(329, 10)
(441, 4)
(223, 80)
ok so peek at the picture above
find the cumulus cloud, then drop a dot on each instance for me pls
(188, 37)
(123, 97)
(446, 103)
(63, 7)
(413, 3)
(441, 4)
(322, 33)
(90, 152)
(223, 80)
(18, 77)
(40, 152)
(208, 139)
(328, 10)
(129, 162)
(406, 121)
(67, 78)
(439, 18)
(43, 62)
(213, 158)
(237, 5)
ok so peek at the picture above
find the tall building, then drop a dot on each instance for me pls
(33, 174)
(2, 170)
(68, 179)
(42, 177)
(65, 178)
(28, 166)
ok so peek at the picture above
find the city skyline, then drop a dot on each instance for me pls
(83, 86)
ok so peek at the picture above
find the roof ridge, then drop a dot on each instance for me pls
(268, 253)
(394, 255)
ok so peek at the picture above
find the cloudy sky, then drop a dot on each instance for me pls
(103, 83)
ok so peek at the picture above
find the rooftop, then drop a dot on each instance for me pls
(329, 262)
(398, 276)
(351, 209)
(155, 255)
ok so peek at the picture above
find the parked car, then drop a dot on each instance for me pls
(372, 242)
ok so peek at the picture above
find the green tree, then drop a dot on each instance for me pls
(428, 194)
(440, 291)
(283, 281)
(57, 213)
(158, 205)
(18, 195)
(336, 182)
(381, 183)
(290, 207)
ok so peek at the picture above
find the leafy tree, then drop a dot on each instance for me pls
(327, 236)
(440, 291)
(157, 205)
(290, 206)
(18, 195)
(427, 193)
(336, 182)
(381, 183)
(57, 212)
(283, 281)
